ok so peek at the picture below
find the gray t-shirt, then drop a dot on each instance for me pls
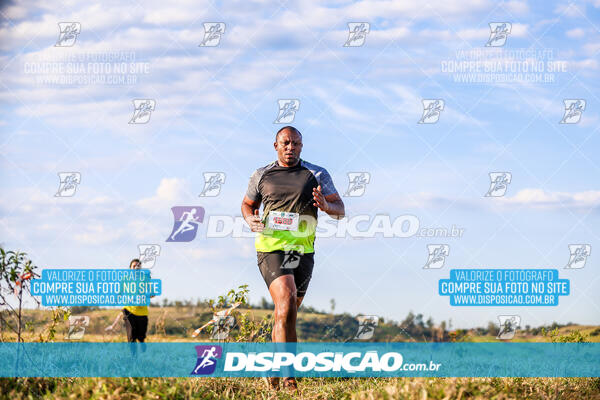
(288, 189)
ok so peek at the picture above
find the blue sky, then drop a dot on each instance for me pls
(215, 108)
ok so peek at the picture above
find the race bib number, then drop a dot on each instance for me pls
(283, 221)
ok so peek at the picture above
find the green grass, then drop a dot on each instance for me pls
(310, 388)
(180, 322)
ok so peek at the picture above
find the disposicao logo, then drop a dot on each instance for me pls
(319, 362)
(207, 359)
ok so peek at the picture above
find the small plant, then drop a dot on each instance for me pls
(232, 297)
(247, 328)
(572, 337)
(59, 314)
(251, 330)
(16, 271)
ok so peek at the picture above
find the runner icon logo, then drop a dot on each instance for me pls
(357, 33)
(437, 255)
(207, 359)
(432, 108)
(357, 183)
(77, 325)
(212, 184)
(287, 110)
(499, 32)
(508, 326)
(186, 222)
(291, 256)
(68, 183)
(222, 326)
(366, 326)
(68, 34)
(142, 109)
(573, 110)
(499, 182)
(579, 255)
(212, 34)
(148, 254)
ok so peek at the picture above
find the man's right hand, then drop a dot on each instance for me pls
(254, 222)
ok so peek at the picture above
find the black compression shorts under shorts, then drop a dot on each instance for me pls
(274, 264)
(136, 326)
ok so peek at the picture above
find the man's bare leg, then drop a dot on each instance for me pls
(284, 295)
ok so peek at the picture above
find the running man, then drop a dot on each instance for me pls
(291, 191)
(135, 317)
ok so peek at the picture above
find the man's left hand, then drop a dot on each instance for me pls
(319, 199)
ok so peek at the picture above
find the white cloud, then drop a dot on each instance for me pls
(569, 10)
(382, 37)
(519, 30)
(516, 7)
(576, 33)
(412, 9)
(97, 234)
(14, 12)
(15, 37)
(470, 34)
(538, 198)
(532, 198)
(23, 201)
(221, 250)
(173, 16)
(169, 191)
(146, 230)
(206, 254)
(592, 49)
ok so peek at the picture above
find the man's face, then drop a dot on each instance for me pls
(288, 147)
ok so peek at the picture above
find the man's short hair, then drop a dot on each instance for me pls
(135, 260)
(291, 128)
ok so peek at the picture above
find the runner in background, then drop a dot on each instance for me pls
(135, 317)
